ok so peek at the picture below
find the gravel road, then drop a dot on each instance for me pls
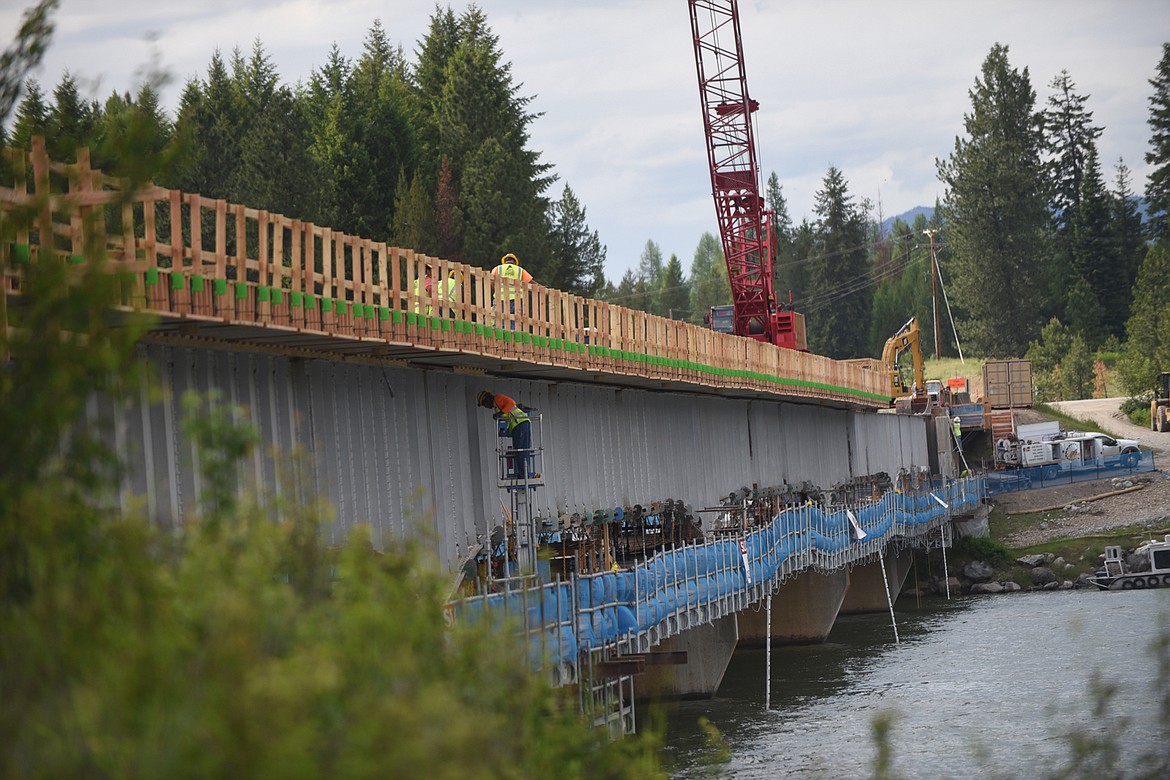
(1106, 412)
(1078, 514)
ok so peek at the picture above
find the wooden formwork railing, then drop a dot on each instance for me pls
(207, 259)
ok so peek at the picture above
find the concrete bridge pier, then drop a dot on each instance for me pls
(708, 647)
(867, 593)
(803, 611)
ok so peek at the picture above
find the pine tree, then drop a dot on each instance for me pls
(674, 294)
(840, 299)
(576, 255)
(210, 122)
(1097, 291)
(482, 122)
(72, 122)
(1158, 182)
(650, 274)
(1126, 233)
(1147, 350)
(709, 285)
(1069, 135)
(32, 116)
(996, 213)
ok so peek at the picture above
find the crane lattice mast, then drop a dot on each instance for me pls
(745, 224)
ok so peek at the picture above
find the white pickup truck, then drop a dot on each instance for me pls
(1066, 450)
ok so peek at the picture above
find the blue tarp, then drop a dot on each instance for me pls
(1053, 475)
(614, 604)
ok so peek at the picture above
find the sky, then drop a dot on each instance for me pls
(877, 89)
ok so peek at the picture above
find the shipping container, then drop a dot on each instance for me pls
(1007, 384)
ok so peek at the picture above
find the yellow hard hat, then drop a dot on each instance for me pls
(510, 259)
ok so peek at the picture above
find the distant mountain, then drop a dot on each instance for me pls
(908, 217)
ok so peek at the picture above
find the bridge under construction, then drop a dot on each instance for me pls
(685, 475)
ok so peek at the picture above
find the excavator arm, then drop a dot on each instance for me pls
(906, 339)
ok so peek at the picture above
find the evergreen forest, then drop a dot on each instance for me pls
(1039, 248)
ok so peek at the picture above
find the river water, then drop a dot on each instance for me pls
(982, 687)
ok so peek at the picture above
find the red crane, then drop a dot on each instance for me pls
(745, 222)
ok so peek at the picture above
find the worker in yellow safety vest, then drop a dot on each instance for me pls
(424, 288)
(519, 427)
(509, 268)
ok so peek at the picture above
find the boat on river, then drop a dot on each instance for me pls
(1117, 576)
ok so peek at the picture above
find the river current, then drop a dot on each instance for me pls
(983, 687)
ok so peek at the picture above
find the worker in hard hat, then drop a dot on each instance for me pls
(957, 426)
(509, 268)
(424, 288)
(519, 428)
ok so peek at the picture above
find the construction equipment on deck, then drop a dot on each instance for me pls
(745, 223)
(908, 398)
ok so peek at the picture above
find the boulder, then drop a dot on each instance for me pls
(978, 571)
(1010, 587)
(987, 587)
(1066, 585)
(1031, 561)
(1042, 575)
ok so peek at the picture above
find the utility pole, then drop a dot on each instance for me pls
(933, 289)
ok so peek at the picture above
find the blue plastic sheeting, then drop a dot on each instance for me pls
(614, 604)
(1053, 475)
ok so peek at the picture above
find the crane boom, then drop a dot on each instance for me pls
(745, 222)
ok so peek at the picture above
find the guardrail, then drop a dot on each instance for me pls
(207, 260)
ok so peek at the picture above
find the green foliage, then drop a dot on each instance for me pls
(674, 295)
(708, 279)
(242, 646)
(837, 308)
(1046, 356)
(997, 216)
(985, 549)
(1076, 371)
(1147, 346)
(1158, 179)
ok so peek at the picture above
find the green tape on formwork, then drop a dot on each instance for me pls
(152, 276)
(76, 259)
(326, 304)
(220, 286)
(277, 295)
(445, 326)
(176, 280)
(296, 299)
(383, 313)
(480, 329)
(241, 291)
(396, 317)
(22, 253)
(196, 283)
(264, 294)
(509, 337)
(435, 323)
(498, 334)
(368, 308)
(411, 318)
(310, 301)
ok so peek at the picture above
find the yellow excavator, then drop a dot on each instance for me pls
(906, 398)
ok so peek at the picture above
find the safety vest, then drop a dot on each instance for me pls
(420, 292)
(510, 271)
(510, 411)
